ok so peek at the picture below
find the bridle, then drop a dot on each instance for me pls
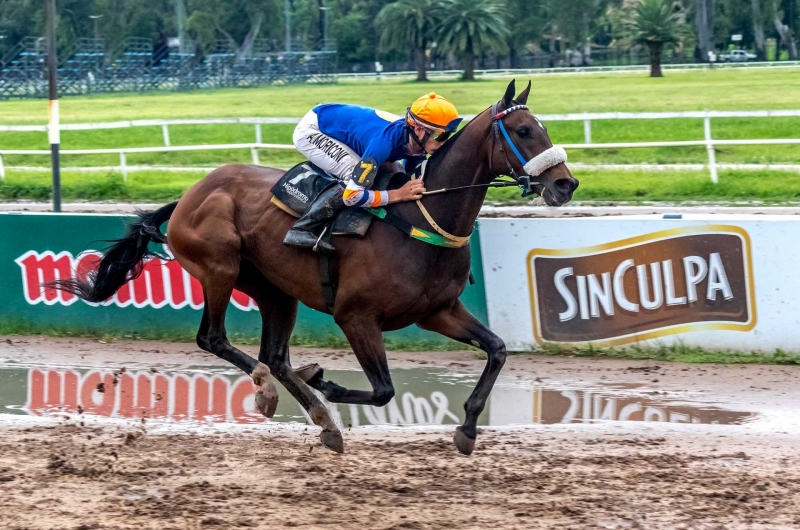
(531, 168)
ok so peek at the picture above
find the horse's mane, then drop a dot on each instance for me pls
(439, 155)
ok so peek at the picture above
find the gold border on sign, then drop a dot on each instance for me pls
(633, 241)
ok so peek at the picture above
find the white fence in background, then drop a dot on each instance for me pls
(708, 141)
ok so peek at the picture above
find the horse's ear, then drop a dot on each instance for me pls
(508, 97)
(522, 99)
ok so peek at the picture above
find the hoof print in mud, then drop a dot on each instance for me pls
(464, 443)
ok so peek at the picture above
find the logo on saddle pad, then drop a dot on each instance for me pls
(295, 192)
(658, 284)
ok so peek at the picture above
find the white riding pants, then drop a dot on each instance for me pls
(327, 153)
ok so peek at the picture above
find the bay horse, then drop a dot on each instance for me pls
(226, 233)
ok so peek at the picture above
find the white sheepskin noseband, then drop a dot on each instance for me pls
(545, 160)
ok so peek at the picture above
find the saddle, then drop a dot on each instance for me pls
(297, 190)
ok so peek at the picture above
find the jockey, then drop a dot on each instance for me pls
(350, 142)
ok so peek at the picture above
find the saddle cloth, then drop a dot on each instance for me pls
(297, 190)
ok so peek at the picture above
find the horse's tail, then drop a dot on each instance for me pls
(123, 260)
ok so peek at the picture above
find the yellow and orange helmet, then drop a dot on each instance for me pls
(435, 113)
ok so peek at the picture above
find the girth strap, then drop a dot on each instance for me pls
(328, 285)
(417, 233)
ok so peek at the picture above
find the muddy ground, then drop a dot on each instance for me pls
(76, 473)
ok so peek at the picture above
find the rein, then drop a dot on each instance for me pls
(497, 183)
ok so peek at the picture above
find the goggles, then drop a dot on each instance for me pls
(435, 132)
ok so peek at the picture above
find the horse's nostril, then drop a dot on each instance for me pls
(566, 185)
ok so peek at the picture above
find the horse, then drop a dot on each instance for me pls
(227, 234)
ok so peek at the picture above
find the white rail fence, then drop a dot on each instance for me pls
(587, 118)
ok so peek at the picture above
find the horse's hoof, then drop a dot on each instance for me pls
(261, 374)
(332, 440)
(267, 399)
(309, 372)
(464, 443)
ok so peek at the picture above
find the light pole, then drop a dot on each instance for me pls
(53, 128)
(95, 18)
(287, 7)
(324, 26)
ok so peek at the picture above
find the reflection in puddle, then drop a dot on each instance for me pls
(423, 397)
(509, 406)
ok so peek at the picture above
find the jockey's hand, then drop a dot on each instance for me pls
(411, 191)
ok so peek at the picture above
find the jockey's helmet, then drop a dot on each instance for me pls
(435, 113)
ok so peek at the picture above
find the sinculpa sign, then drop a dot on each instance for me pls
(656, 284)
(164, 301)
(713, 281)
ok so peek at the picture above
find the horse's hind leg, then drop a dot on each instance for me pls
(218, 284)
(277, 323)
(278, 315)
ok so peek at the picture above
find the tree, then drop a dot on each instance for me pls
(576, 20)
(469, 27)
(526, 20)
(409, 24)
(655, 25)
(353, 45)
(758, 28)
(784, 30)
(239, 22)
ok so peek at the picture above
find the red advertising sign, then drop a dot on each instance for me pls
(162, 282)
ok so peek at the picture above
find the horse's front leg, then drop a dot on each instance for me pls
(458, 324)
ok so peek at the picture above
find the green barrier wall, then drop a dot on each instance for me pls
(36, 247)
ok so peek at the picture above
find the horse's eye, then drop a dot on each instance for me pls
(523, 132)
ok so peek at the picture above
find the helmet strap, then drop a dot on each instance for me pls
(421, 143)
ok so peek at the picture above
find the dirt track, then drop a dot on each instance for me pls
(131, 474)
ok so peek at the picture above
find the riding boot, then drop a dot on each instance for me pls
(324, 209)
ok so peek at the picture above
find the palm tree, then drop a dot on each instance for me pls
(472, 26)
(409, 24)
(654, 24)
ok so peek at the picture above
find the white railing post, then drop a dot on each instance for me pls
(712, 156)
(254, 154)
(165, 130)
(122, 166)
(258, 133)
(587, 130)
(2, 169)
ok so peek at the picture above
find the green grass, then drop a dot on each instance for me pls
(691, 90)
(627, 186)
(678, 353)
(141, 186)
(187, 335)
(696, 90)
(770, 187)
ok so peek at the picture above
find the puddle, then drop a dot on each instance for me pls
(424, 396)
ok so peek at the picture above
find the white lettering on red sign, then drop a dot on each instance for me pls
(162, 282)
